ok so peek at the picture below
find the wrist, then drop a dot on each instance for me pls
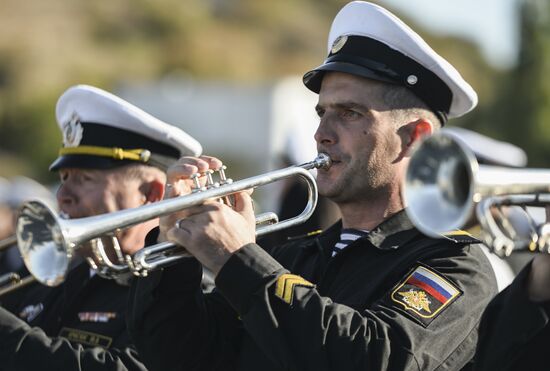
(538, 280)
(216, 264)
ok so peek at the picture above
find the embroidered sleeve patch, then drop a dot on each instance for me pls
(284, 288)
(424, 294)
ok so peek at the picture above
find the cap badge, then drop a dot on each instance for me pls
(338, 44)
(72, 132)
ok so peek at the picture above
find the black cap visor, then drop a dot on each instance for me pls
(366, 57)
(109, 137)
(88, 162)
(314, 78)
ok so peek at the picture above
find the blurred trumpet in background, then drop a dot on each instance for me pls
(446, 189)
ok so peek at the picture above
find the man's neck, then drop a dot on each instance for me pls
(367, 214)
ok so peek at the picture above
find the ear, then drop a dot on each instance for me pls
(418, 130)
(153, 191)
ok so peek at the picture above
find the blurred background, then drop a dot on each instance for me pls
(228, 71)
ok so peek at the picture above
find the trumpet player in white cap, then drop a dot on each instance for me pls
(369, 293)
(114, 157)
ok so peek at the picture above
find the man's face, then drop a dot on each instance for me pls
(357, 131)
(88, 192)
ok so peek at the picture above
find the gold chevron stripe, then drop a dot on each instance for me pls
(284, 287)
(288, 291)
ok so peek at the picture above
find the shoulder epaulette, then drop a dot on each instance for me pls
(307, 235)
(460, 236)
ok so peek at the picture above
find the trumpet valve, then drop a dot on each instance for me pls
(197, 183)
(223, 178)
(210, 180)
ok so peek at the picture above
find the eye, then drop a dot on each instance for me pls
(350, 114)
(63, 176)
(85, 175)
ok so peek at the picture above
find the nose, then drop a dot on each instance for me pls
(66, 196)
(325, 133)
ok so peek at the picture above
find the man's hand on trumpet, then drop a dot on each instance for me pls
(179, 183)
(211, 232)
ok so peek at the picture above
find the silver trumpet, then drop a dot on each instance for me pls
(48, 242)
(446, 189)
(164, 254)
(10, 282)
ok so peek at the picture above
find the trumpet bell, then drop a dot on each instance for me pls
(446, 188)
(437, 184)
(41, 243)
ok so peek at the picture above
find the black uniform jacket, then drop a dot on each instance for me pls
(395, 300)
(79, 325)
(514, 331)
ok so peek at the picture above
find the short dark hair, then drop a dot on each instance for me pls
(404, 104)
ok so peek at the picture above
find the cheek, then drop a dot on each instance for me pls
(129, 197)
(387, 142)
(393, 145)
(106, 202)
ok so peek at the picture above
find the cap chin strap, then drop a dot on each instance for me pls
(141, 155)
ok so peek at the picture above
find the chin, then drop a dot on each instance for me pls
(327, 189)
(326, 180)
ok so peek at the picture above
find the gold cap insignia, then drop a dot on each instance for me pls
(72, 132)
(338, 44)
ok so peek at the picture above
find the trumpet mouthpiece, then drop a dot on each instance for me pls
(322, 161)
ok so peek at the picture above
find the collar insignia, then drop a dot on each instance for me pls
(309, 234)
(30, 312)
(72, 132)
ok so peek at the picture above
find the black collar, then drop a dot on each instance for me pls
(392, 233)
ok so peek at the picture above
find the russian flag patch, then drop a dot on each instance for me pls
(424, 294)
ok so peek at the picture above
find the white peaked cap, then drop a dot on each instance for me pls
(94, 121)
(489, 150)
(367, 40)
